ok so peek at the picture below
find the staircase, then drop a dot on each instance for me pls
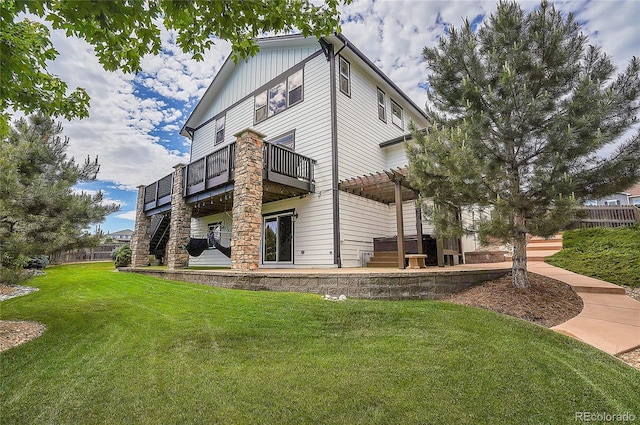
(539, 248)
(384, 259)
(159, 234)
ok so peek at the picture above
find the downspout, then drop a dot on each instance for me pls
(334, 159)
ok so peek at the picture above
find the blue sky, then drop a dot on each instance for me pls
(135, 119)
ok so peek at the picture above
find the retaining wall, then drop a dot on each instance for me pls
(380, 285)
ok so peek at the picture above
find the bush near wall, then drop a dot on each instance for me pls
(610, 254)
(123, 257)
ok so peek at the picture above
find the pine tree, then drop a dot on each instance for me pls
(40, 213)
(521, 110)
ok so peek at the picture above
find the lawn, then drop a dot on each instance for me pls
(125, 348)
(610, 254)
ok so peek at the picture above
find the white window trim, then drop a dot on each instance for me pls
(346, 76)
(395, 118)
(221, 118)
(382, 107)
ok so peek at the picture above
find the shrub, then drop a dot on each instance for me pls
(123, 257)
(39, 262)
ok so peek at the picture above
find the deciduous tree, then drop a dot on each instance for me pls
(522, 109)
(123, 32)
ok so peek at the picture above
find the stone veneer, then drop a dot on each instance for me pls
(180, 230)
(247, 201)
(403, 285)
(141, 239)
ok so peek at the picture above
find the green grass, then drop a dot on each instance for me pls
(609, 254)
(125, 348)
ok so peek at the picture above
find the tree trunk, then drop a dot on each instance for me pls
(519, 266)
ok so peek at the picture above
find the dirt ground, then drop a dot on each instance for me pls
(547, 302)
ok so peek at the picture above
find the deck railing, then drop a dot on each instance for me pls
(281, 165)
(158, 193)
(605, 216)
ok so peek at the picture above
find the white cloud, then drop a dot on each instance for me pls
(127, 215)
(106, 200)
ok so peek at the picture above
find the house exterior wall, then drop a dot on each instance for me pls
(311, 121)
(360, 131)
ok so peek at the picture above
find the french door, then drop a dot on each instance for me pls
(277, 238)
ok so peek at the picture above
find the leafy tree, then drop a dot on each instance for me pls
(122, 32)
(521, 111)
(39, 211)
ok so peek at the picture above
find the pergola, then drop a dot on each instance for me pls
(388, 187)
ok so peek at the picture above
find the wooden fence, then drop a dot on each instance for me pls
(616, 216)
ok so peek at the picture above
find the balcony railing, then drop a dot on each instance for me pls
(281, 165)
(158, 194)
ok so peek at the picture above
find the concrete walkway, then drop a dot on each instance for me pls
(610, 320)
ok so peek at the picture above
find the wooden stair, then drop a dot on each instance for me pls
(539, 248)
(384, 259)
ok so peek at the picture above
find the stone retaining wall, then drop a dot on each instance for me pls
(388, 286)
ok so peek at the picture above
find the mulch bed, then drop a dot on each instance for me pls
(546, 302)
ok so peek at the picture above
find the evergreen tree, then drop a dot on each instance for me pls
(40, 213)
(521, 110)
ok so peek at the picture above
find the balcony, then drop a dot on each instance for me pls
(286, 174)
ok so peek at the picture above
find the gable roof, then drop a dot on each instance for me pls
(340, 43)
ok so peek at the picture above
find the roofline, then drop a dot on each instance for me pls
(184, 131)
(381, 74)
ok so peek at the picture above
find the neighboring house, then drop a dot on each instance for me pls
(634, 195)
(121, 235)
(628, 197)
(334, 129)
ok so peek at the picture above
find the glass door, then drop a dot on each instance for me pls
(277, 239)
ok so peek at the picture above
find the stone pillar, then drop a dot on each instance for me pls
(141, 239)
(180, 230)
(247, 201)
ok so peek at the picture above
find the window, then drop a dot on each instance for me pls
(635, 201)
(396, 114)
(261, 106)
(287, 140)
(277, 99)
(220, 129)
(612, 202)
(382, 109)
(294, 88)
(285, 93)
(345, 76)
(277, 238)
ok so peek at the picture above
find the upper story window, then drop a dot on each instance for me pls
(382, 108)
(284, 93)
(345, 76)
(287, 140)
(396, 114)
(220, 129)
(294, 88)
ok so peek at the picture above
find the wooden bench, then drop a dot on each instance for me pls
(416, 261)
